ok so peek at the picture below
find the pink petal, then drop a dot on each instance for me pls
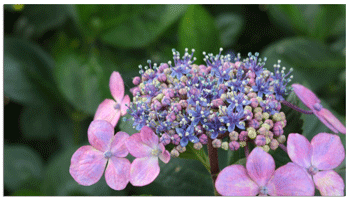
(165, 155)
(87, 165)
(107, 111)
(100, 134)
(118, 147)
(327, 151)
(143, 171)
(137, 147)
(299, 149)
(124, 108)
(116, 85)
(117, 173)
(333, 122)
(329, 183)
(234, 181)
(321, 117)
(306, 95)
(260, 166)
(149, 137)
(290, 180)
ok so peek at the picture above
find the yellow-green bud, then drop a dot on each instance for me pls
(224, 145)
(257, 109)
(183, 79)
(266, 148)
(268, 140)
(234, 136)
(243, 143)
(266, 126)
(251, 133)
(181, 149)
(174, 153)
(167, 71)
(223, 97)
(266, 115)
(248, 108)
(281, 139)
(259, 99)
(276, 117)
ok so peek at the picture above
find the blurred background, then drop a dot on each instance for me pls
(58, 60)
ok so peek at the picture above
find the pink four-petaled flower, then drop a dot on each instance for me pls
(146, 148)
(260, 177)
(312, 102)
(89, 162)
(110, 110)
(325, 152)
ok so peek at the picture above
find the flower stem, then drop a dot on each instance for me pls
(214, 163)
(294, 107)
(284, 148)
(246, 151)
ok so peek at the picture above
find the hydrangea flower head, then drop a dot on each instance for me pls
(111, 110)
(226, 94)
(145, 146)
(88, 162)
(319, 158)
(311, 101)
(260, 178)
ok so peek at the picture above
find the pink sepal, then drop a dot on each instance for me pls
(299, 149)
(106, 111)
(327, 151)
(118, 147)
(329, 183)
(87, 165)
(116, 86)
(117, 173)
(137, 147)
(100, 133)
(234, 181)
(144, 171)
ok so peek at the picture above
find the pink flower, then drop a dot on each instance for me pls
(89, 162)
(325, 152)
(146, 148)
(260, 177)
(110, 110)
(312, 102)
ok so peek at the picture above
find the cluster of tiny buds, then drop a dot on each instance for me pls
(188, 103)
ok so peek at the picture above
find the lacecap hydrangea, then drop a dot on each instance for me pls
(228, 97)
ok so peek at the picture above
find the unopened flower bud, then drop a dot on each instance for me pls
(223, 97)
(203, 139)
(224, 146)
(218, 102)
(180, 148)
(183, 103)
(257, 109)
(254, 103)
(260, 140)
(243, 143)
(258, 116)
(266, 148)
(183, 79)
(283, 116)
(248, 108)
(161, 78)
(216, 143)
(174, 153)
(259, 99)
(167, 71)
(265, 125)
(252, 95)
(277, 130)
(175, 139)
(166, 101)
(281, 139)
(156, 105)
(274, 144)
(171, 117)
(265, 115)
(165, 139)
(251, 133)
(197, 146)
(243, 136)
(277, 117)
(234, 145)
(136, 80)
(253, 123)
(162, 67)
(234, 136)
(269, 122)
(262, 131)
(268, 140)
(183, 91)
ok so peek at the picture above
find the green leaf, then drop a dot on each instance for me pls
(21, 164)
(37, 122)
(316, 21)
(27, 72)
(58, 181)
(138, 29)
(38, 19)
(311, 60)
(234, 156)
(198, 31)
(281, 157)
(26, 192)
(199, 155)
(230, 26)
(179, 177)
(79, 79)
(293, 117)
